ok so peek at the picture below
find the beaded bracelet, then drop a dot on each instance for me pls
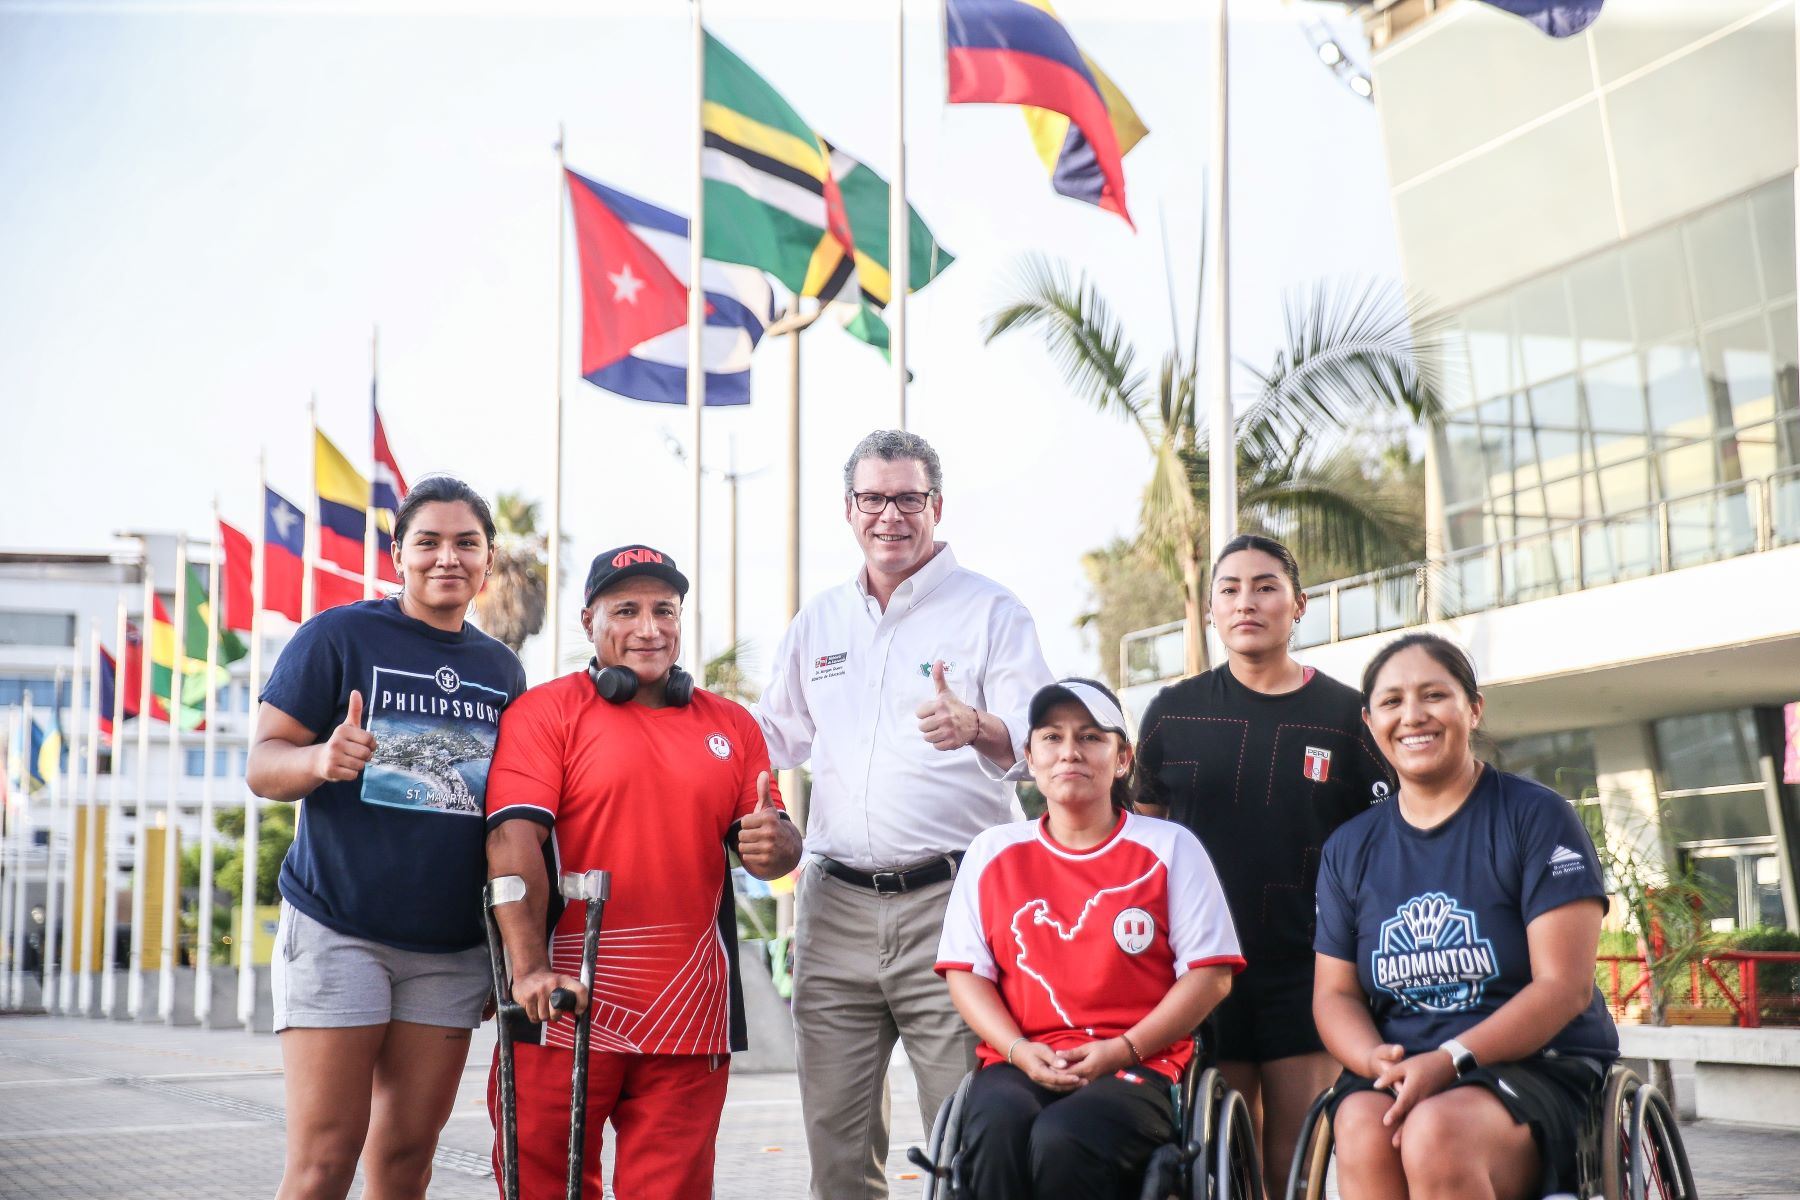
(1011, 1048)
(1136, 1058)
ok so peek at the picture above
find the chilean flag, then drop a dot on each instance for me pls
(1558, 18)
(284, 553)
(1017, 52)
(634, 265)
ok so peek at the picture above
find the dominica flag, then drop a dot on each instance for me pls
(781, 198)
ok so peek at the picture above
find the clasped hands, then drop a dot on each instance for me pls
(1073, 1067)
(1409, 1079)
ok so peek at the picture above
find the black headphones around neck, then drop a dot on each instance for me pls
(617, 685)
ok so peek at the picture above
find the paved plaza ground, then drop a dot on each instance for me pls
(96, 1110)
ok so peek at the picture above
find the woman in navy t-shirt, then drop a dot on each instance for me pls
(381, 716)
(1457, 933)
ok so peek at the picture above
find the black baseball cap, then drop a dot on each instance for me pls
(627, 562)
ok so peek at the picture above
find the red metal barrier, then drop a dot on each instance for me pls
(1746, 1002)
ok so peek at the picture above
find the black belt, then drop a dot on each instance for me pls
(888, 883)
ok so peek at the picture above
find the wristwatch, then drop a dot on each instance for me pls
(1461, 1057)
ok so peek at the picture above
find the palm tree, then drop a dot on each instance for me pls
(512, 605)
(1354, 351)
(729, 672)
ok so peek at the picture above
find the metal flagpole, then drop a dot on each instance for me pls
(8, 835)
(109, 928)
(369, 508)
(1221, 436)
(171, 880)
(309, 544)
(71, 905)
(50, 959)
(203, 936)
(21, 844)
(89, 908)
(696, 328)
(553, 544)
(134, 995)
(898, 225)
(246, 933)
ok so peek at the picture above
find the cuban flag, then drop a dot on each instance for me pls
(634, 264)
(1558, 18)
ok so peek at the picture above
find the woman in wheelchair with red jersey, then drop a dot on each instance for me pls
(1457, 933)
(1083, 949)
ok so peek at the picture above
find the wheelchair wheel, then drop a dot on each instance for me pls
(1204, 1106)
(1312, 1152)
(1641, 1155)
(1236, 1166)
(941, 1163)
(1659, 1166)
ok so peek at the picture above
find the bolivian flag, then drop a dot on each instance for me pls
(194, 681)
(781, 198)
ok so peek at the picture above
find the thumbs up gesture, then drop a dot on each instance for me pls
(348, 750)
(767, 844)
(945, 720)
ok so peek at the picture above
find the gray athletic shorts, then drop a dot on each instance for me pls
(323, 979)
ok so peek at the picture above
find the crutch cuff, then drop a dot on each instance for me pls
(506, 889)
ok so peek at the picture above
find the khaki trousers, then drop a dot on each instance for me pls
(863, 977)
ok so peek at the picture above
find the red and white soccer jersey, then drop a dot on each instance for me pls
(1084, 943)
(649, 795)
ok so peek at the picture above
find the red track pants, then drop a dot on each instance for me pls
(664, 1109)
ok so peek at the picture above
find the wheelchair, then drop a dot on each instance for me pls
(1630, 1150)
(1214, 1155)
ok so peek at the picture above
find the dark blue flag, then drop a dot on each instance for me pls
(1558, 18)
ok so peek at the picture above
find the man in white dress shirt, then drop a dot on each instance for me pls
(896, 685)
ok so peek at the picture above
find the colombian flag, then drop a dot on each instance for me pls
(343, 504)
(1018, 52)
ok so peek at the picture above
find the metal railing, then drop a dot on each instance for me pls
(1148, 655)
(1728, 983)
(1731, 519)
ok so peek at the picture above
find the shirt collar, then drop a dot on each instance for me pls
(919, 584)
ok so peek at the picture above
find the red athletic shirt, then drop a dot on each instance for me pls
(649, 795)
(1084, 943)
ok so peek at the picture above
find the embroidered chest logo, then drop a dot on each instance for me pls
(1430, 956)
(1318, 764)
(720, 745)
(830, 666)
(1133, 929)
(447, 679)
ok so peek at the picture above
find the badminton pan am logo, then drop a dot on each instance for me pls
(1431, 956)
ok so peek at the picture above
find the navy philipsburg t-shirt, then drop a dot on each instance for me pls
(398, 854)
(1434, 919)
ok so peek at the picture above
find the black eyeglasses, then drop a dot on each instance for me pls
(875, 503)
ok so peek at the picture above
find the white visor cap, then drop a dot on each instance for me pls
(1099, 703)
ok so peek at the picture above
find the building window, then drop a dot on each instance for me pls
(194, 762)
(14, 690)
(37, 628)
(1646, 372)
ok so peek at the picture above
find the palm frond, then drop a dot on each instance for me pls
(1083, 336)
(1354, 349)
(1334, 513)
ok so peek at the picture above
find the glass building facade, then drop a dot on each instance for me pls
(1653, 370)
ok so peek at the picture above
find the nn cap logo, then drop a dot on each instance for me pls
(638, 554)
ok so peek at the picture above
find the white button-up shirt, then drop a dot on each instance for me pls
(848, 681)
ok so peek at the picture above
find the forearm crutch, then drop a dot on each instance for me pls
(506, 889)
(592, 888)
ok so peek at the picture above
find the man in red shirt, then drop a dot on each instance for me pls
(626, 766)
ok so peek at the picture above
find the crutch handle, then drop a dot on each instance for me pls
(562, 1000)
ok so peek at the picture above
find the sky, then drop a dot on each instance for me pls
(209, 207)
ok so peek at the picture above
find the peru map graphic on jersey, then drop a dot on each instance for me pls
(434, 738)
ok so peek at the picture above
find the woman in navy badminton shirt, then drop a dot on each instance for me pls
(1457, 932)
